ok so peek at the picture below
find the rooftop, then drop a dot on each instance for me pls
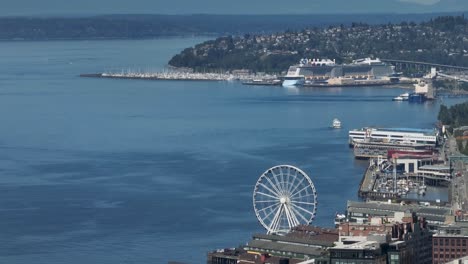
(431, 213)
(284, 247)
(426, 132)
(434, 167)
(321, 240)
(361, 245)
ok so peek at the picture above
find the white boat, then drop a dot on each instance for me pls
(336, 123)
(402, 97)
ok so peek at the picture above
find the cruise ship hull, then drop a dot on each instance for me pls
(289, 83)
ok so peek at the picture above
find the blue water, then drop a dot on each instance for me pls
(127, 171)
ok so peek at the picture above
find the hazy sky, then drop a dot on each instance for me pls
(80, 7)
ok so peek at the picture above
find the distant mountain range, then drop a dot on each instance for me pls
(253, 7)
(149, 26)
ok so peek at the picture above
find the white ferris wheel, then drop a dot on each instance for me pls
(284, 197)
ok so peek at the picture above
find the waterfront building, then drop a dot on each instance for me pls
(303, 243)
(376, 148)
(394, 135)
(362, 212)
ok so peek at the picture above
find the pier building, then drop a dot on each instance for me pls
(374, 149)
(394, 135)
(302, 243)
(361, 212)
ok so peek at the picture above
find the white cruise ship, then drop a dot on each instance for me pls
(325, 69)
(397, 135)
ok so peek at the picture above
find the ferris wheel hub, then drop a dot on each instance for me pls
(283, 200)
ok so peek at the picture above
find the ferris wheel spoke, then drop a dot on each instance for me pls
(299, 202)
(293, 214)
(268, 207)
(291, 183)
(273, 185)
(283, 182)
(298, 185)
(270, 213)
(270, 190)
(268, 195)
(288, 217)
(302, 196)
(267, 201)
(298, 192)
(278, 184)
(275, 222)
(304, 210)
(291, 222)
(300, 215)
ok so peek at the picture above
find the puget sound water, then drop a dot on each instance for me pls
(132, 171)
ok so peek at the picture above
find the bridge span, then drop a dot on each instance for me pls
(402, 64)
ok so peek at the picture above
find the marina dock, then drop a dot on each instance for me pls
(263, 79)
(368, 185)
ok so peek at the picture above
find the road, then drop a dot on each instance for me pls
(460, 178)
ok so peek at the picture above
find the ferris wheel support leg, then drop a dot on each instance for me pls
(275, 221)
